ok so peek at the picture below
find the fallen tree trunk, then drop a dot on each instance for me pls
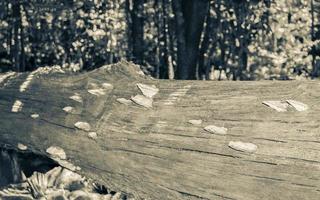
(155, 152)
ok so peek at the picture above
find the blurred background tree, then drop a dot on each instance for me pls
(189, 39)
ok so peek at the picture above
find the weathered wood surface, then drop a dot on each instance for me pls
(155, 153)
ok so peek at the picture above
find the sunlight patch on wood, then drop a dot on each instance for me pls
(24, 86)
(17, 106)
(175, 96)
(6, 75)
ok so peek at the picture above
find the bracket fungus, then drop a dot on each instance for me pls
(243, 146)
(107, 86)
(299, 106)
(22, 147)
(216, 130)
(76, 97)
(56, 152)
(277, 105)
(195, 121)
(97, 92)
(142, 101)
(34, 116)
(282, 106)
(92, 135)
(124, 101)
(68, 109)
(83, 126)
(148, 91)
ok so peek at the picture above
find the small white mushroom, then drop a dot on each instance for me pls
(17, 106)
(76, 98)
(148, 91)
(142, 101)
(92, 135)
(216, 130)
(68, 109)
(242, 146)
(34, 116)
(299, 106)
(83, 126)
(279, 106)
(22, 147)
(124, 101)
(56, 152)
(195, 121)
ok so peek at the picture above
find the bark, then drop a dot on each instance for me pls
(155, 153)
(189, 17)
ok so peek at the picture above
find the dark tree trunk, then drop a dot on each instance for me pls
(202, 65)
(137, 31)
(189, 16)
(18, 53)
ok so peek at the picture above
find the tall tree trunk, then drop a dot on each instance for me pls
(137, 30)
(189, 16)
(202, 66)
(18, 57)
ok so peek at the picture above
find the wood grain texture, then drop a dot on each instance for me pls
(155, 153)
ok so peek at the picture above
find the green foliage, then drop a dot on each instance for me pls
(246, 40)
